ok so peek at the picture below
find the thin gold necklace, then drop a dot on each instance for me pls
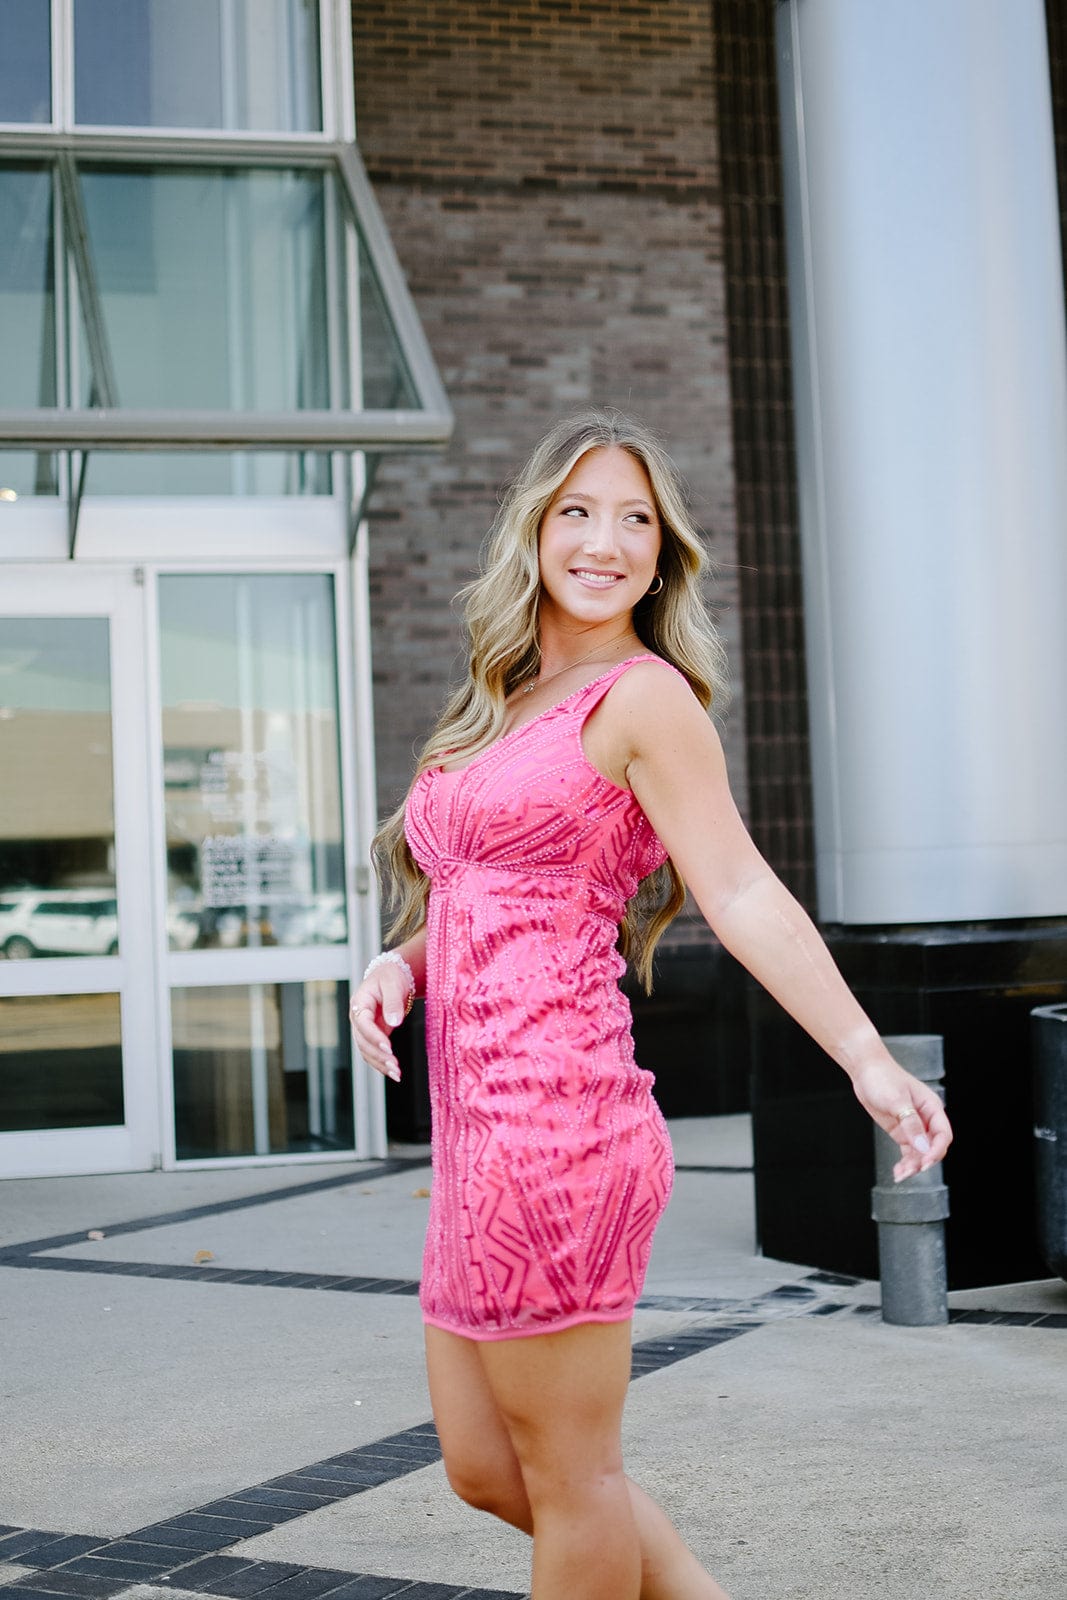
(535, 683)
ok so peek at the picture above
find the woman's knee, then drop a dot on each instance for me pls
(490, 1485)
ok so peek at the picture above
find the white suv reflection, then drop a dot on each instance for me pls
(71, 922)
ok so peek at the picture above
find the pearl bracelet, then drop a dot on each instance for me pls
(396, 959)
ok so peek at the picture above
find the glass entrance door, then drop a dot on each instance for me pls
(78, 1081)
(258, 918)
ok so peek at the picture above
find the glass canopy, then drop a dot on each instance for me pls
(198, 293)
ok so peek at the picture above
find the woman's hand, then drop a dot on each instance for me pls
(377, 1008)
(909, 1111)
(382, 1001)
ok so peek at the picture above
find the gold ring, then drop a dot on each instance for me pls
(909, 1111)
(355, 1011)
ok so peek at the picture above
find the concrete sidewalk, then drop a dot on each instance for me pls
(258, 1421)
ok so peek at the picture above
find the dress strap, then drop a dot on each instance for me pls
(590, 697)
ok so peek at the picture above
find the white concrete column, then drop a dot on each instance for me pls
(930, 371)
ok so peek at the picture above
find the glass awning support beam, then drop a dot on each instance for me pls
(105, 389)
(410, 337)
(99, 429)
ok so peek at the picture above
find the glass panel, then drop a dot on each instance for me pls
(385, 381)
(211, 289)
(57, 829)
(27, 317)
(60, 1062)
(251, 765)
(25, 61)
(261, 1069)
(246, 64)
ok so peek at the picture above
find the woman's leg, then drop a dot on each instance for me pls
(561, 1397)
(484, 1470)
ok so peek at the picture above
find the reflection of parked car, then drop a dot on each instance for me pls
(73, 922)
(68, 922)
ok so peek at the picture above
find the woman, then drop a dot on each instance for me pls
(576, 763)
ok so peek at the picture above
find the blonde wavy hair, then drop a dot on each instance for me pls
(503, 650)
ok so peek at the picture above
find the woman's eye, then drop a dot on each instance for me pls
(572, 511)
(640, 516)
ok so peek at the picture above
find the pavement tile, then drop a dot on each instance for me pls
(106, 1567)
(345, 1472)
(60, 1550)
(308, 1585)
(59, 1582)
(232, 1509)
(325, 1489)
(279, 1498)
(22, 1591)
(229, 1529)
(433, 1591)
(253, 1579)
(145, 1552)
(25, 1541)
(203, 1574)
(175, 1538)
(371, 1588)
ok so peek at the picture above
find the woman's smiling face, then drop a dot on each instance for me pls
(600, 539)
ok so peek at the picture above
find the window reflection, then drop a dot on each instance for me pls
(57, 830)
(261, 1069)
(25, 61)
(60, 1062)
(211, 287)
(250, 64)
(27, 314)
(251, 765)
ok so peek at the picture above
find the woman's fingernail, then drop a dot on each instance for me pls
(922, 1144)
(394, 1073)
(394, 1018)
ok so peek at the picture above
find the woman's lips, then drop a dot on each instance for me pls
(596, 580)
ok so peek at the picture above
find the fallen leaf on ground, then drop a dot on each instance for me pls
(95, 1233)
(420, 1194)
(202, 1256)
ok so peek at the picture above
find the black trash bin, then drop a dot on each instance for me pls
(1050, 1132)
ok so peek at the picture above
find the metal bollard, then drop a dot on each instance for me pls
(911, 1215)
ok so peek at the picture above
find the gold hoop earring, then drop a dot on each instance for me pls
(658, 580)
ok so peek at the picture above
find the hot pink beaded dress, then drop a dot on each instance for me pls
(551, 1161)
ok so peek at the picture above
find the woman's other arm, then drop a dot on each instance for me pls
(673, 762)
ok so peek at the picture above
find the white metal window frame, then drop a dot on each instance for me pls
(335, 83)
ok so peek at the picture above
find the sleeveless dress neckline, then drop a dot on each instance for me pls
(455, 772)
(551, 1160)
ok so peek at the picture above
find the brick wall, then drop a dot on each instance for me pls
(548, 172)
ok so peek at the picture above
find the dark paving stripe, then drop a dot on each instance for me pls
(245, 1276)
(681, 1302)
(726, 1170)
(988, 1319)
(218, 1208)
(652, 1355)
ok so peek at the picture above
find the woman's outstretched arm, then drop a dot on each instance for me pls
(673, 762)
